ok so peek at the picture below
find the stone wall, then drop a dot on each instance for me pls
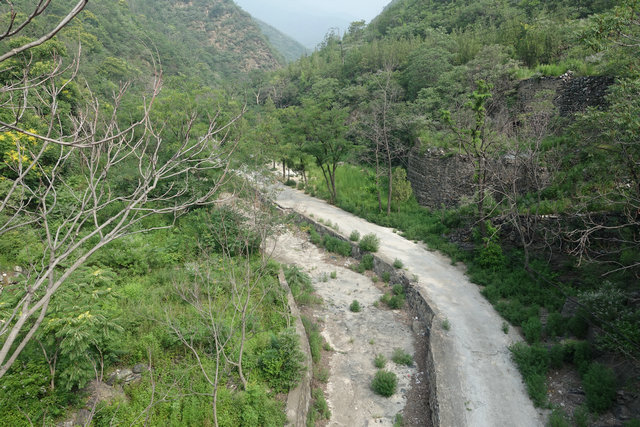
(572, 94)
(444, 179)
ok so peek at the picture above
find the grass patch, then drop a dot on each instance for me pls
(380, 361)
(401, 357)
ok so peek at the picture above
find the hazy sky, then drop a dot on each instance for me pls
(309, 20)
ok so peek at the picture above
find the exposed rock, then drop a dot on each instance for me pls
(139, 368)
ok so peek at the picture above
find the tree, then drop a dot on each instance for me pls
(403, 190)
(87, 176)
(377, 123)
(324, 128)
(477, 142)
(612, 149)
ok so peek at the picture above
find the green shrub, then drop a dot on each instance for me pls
(360, 268)
(315, 237)
(556, 356)
(355, 306)
(556, 325)
(386, 276)
(398, 263)
(398, 289)
(290, 183)
(537, 389)
(531, 360)
(300, 186)
(395, 302)
(367, 262)
(354, 236)
(281, 363)
(401, 357)
(334, 275)
(581, 416)
(369, 243)
(384, 383)
(578, 353)
(532, 330)
(558, 418)
(335, 245)
(599, 383)
(380, 361)
(578, 326)
(446, 325)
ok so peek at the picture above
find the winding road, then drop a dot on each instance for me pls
(477, 382)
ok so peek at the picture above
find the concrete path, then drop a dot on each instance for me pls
(478, 384)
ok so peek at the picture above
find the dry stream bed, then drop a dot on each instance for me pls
(356, 338)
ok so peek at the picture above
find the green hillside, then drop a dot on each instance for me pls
(288, 47)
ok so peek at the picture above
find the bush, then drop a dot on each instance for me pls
(290, 183)
(581, 416)
(398, 263)
(398, 289)
(386, 277)
(578, 353)
(556, 325)
(401, 357)
(558, 419)
(578, 326)
(556, 356)
(335, 245)
(367, 262)
(394, 302)
(370, 243)
(380, 361)
(300, 186)
(315, 237)
(281, 363)
(537, 389)
(600, 387)
(532, 330)
(384, 383)
(355, 306)
(354, 236)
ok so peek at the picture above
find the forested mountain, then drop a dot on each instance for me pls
(288, 47)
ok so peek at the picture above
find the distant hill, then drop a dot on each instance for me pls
(289, 48)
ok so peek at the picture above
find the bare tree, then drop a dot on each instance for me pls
(526, 168)
(79, 218)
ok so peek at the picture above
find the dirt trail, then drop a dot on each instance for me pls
(478, 384)
(355, 337)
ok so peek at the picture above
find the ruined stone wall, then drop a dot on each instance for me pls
(572, 94)
(444, 179)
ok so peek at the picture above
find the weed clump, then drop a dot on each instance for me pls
(401, 357)
(398, 263)
(355, 306)
(380, 361)
(354, 236)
